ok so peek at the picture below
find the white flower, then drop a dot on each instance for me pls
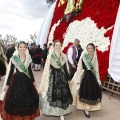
(87, 32)
(51, 35)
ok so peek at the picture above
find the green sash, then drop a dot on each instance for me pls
(89, 63)
(21, 65)
(1, 58)
(58, 62)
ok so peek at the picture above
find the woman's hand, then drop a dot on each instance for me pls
(5, 88)
(34, 83)
(73, 66)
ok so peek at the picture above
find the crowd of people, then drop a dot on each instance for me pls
(67, 79)
(37, 54)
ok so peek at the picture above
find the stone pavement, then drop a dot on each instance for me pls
(110, 107)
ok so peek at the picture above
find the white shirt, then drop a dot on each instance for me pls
(70, 54)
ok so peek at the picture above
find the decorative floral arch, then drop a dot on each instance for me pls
(95, 23)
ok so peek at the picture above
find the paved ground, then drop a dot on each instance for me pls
(110, 107)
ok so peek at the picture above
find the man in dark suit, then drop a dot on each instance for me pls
(72, 55)
(79, 53)
(10, 52)
(37, 58)
(44, 54)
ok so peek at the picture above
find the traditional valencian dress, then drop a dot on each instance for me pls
(55, 95)
(86, 90)
(21, 101)
(2, 64)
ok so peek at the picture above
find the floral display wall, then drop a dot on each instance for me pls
(94, 23)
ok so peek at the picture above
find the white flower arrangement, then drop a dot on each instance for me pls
(51, 35)
(87, 32)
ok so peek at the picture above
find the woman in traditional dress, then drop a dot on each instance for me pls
(2, 62)
(21, 100)
(55, 95)
(86, 89)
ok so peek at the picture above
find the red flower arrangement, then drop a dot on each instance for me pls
(102, 12)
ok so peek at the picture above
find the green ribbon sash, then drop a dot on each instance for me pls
(21, 65)
(89, 63)
(58, 62)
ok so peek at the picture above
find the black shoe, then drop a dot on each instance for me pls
(87, 115)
